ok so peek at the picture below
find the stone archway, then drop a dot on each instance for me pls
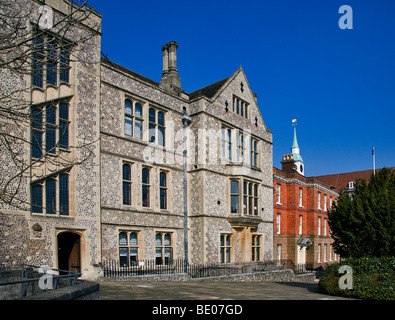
(69, 251)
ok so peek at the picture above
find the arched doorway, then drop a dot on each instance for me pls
(69, 251)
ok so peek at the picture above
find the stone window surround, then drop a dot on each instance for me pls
(146, 105)
(166, 250)
(128, 244)
(240, 107)
(54, 176)
(129, 182)
(241, 180)
(55, 103)
(235, 147)
(256, 247)
(279, 254)
(254, 153)
(134, 118)
(60, 63)
(157, 126)
(225, 248)
(241, 245)
(146, 186)
(163, 188)
(154, 187)
(241, 147)
(226, 143)
(251, 194)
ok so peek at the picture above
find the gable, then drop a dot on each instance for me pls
(227, 94)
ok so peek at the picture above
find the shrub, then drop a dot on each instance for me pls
(373, 279)
(364, 224)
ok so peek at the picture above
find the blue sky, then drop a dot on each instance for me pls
(339, 84)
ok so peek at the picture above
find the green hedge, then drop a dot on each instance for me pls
(373, 278)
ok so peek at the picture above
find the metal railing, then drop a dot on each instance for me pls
(303, 268)
(43, 279)
(226, 269)
(112, 268)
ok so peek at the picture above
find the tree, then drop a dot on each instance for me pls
(363, 223)
(37, 41)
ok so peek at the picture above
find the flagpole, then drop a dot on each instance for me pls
(374, 161)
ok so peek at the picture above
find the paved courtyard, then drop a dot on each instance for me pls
(203, 290)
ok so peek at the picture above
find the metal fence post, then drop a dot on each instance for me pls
(23, 283)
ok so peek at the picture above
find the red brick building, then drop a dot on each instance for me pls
(347, 180)
(301, 229)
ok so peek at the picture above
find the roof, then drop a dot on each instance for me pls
(297, 157)
(294, 176)
(208, 91)
(128, 71)
(341, 180)
(304, 242)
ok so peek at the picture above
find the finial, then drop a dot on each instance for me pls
(295, 146)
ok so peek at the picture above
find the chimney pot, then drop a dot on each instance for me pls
(170, 77)
(165, 59)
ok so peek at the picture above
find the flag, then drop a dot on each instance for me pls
(373, 151)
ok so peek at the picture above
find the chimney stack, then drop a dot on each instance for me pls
(170, 78)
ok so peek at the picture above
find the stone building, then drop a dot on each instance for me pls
(301, 204)
(54, 218)
(106, 150)
(229, 168)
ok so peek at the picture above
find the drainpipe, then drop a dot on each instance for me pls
(186, 120)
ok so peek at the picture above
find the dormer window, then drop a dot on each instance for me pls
(351, 185)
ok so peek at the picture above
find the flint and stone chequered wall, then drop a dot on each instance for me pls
(208, 191)
(32, 238)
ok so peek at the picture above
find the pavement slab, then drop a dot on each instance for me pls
(203, 290)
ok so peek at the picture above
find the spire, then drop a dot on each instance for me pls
(293, 161)
(295, 146)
